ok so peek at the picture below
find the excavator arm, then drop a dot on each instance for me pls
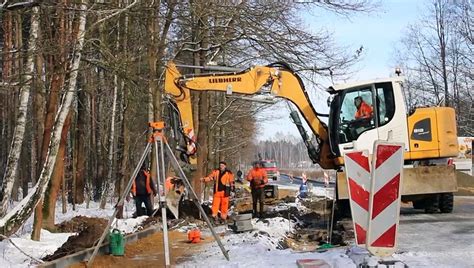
(275, 79)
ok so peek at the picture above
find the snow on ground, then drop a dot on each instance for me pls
(259, 248)
(323, 192)
(12, 257)
(128, 226)
(424, 240)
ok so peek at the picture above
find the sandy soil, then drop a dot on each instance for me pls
(148, 252)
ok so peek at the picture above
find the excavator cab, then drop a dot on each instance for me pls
(428, 132)
(364, 112)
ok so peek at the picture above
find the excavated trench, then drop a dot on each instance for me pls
(312, 217)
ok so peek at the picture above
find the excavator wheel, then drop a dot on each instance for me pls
(343, 209)
(446, 202)
(419, 204)
(432, 204)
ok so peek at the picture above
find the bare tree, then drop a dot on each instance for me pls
(15, 218)
(19, 132)
(437, 55)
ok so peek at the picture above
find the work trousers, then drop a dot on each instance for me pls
(258, 195)
(220, 201)
(139, 200)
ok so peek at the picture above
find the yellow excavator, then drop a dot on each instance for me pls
(429, 133)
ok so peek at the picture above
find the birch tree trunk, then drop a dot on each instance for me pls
(19, 133)
(15, 218)
(109, 185)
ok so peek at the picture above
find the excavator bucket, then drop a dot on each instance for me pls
(174, 192)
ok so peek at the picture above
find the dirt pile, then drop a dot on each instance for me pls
(78, 223)
(89, 231)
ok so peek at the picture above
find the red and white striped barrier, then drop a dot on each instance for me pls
(358, 182)
(384, 203)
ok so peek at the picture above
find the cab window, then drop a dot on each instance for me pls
(356, 114)
(386, 102)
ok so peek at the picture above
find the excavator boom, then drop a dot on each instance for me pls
(277, 79)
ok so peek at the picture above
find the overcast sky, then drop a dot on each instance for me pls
(377, 32)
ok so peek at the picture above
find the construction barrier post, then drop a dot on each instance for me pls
(384, 204)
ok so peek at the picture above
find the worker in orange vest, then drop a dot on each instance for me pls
(223, 188)
(257, 177)
(363, 109)
(142, 188)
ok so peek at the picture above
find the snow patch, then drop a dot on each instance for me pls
(128, 226)
(259, 248)
(12, 257)
(50, 242)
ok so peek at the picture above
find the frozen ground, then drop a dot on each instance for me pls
(425, 240)
(259, 248)
(436, 240)
(12, 257)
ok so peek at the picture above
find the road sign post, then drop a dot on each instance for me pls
(384, 204)
(374, 196)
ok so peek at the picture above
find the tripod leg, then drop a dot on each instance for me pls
(177, 168)
(160, 172)
(120, 202)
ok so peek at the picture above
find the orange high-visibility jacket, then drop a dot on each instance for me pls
(364, 111)
(226, 180)
(149, 188)
(257, 178)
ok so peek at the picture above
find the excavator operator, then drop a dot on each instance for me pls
(364, 110)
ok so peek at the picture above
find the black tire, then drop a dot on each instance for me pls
(342, 209)
(419, 204)
(446, 201)
(432, 204)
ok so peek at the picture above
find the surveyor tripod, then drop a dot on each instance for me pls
(161, 146)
